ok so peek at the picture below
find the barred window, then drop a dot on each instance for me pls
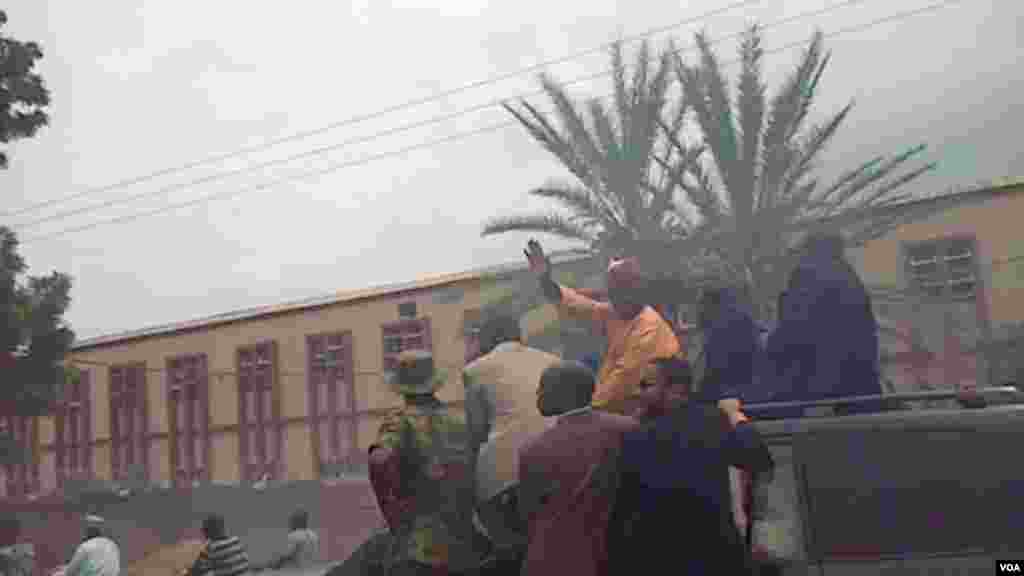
(260, 434)
(944, 268)
(129, 427)
(404, 335)
(331, 401)
(74, 430)
(189, 402)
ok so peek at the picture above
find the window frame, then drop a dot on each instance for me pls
(249, 432)
(341, 420)
(22, 478)
(944, 276)
(408, 310)
(415, 326)
(77, 396)
(135, 376)
(202, 384)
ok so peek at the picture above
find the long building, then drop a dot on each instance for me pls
(293, 391)
(280, 393)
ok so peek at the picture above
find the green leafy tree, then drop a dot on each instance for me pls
(34, 337)
(23, 95)
(757, 190)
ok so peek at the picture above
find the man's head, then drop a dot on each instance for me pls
(299, 520)
(499, 329)
(626, 287)
(823, 244)
(726, 299)
(213, 527)
(668, 385)
(563, 387)
(94, 526)
(415, 375)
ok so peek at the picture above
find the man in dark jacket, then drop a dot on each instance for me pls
(673, 505)
(826, 345)
(731, 345)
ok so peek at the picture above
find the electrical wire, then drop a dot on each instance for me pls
(374, 115)
(319, 151)
(432, 143)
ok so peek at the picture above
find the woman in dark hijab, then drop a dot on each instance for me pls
(827, 343)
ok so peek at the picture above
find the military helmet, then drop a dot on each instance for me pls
(415, 374)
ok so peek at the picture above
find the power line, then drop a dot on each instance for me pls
(432, 143)
(389, 132)
(374, 115)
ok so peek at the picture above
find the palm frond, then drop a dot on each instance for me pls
(554, 224)
(812, 86)
(708, 93)
(580, 201)
(849, 193)
(848, 177)
(815, 144)
(644, 120)
(548, 137)
(605, 130)
(622, 97)
(787, 111)
(575, 132)
(751, 103)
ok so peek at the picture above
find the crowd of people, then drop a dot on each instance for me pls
(557, 468)
(635, 459)
(221, 554)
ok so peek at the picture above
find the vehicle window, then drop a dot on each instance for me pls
(906, 493)
(777, 527)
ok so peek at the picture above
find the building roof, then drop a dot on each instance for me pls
(348, 296)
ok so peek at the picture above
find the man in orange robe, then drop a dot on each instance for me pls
(637, 334)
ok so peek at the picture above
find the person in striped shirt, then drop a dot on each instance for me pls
(222, 555)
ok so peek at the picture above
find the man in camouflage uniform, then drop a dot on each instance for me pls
(420, 468)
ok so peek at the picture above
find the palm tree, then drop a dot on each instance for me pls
(755, 190)
(621, 199)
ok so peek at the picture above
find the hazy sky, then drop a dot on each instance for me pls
(141, 85)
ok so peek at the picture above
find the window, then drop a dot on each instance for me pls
(189, 405)
(74, 430)
(260, 437)
(407, 310)
(405, 335)
(20, 475)
(944, 268)
(332, 401)
(471, 324)
(129, 428)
